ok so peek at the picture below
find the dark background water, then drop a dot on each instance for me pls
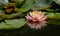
(49, 30)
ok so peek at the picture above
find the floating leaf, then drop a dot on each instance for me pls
(42, 4)
(2, 15)
(19, 3)
(4, 2)
(54, 15)
(51, 10)
(57, 1)
(3, 25)
(53, 21)
(27, 6)
(12, 24)
(53, 18)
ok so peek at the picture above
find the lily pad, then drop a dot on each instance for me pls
(53, 21)
(57, 1)
(27, 6)
(4, 2)
(42, 4)
(53, 15)
(12, 24)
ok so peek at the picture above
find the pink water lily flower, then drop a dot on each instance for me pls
(36, 19)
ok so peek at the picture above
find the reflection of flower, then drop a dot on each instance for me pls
(36, 19)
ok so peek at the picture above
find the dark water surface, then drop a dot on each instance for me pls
(50, 30)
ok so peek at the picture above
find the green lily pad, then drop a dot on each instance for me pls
(53, 15)
(57, 1)
(12, 24)
(42, 4)
(4, 2)
(19, 3)
(27, 6)
(53, 21)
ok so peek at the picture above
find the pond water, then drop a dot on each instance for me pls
(50, 30)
